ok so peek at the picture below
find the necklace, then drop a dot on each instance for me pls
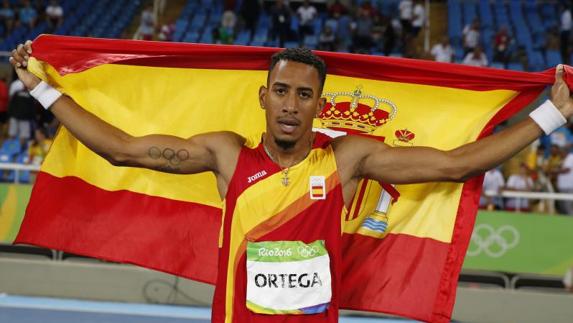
(284, 171)
(284, 180)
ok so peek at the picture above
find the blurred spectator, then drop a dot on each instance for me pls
(383, 35)
(306, 14)
(493, 184)
(21, 112)
(418, 17)
(568, 280)
(39, 147)
(471, 36)
(501, 46)
(565, 184)
(167, 31)
(368, 9)
(519, 182)
(281, 16)
(326, 40)
(476, 58)
(7, 16)
(522, 58)
(406, 8)
(443, 51)
(388, 36)
(147, 24)
(3, 105)
(562, 137)
(565, 31)
(337, 9)
(552, 165)
(158, 9)
(362, 38)
(226, 32)
(250, 12)
(28, 14)
(54, 14)
(344, 33)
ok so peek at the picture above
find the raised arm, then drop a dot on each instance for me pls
(159, 152)
(375, 160)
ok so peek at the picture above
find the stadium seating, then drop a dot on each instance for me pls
(528, 21)
(96, 18)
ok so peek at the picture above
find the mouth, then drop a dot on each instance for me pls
(288, 125)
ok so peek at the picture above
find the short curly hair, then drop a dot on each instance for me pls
(300, 55)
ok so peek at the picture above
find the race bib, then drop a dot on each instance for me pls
(288, 277)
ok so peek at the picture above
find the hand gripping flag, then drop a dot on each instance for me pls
(402, 258)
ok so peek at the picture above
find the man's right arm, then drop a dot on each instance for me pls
(165, 153)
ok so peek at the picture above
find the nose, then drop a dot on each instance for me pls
(290, 104)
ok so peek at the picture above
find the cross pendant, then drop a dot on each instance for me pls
(285, 180)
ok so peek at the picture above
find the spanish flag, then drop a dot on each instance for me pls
(400, 258)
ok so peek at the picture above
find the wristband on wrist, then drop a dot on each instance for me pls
(45, 94)
(548, 117)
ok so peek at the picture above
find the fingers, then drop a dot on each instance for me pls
(28, 47)
(559, 73)
(21, 54)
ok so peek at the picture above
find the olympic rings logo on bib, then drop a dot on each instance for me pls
(308, 251)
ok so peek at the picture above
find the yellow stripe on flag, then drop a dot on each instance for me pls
(426, 210)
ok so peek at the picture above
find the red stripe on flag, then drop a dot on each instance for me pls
(75, 54)
(397, 275)
(74, 216)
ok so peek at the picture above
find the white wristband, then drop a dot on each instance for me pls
(548, 117)
(45, 94)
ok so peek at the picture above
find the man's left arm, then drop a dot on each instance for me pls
(425, 164)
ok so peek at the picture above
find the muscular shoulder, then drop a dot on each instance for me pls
(351, 151)
(223, 146)
(221, 140)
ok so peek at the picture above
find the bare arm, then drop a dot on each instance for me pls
(375, 160)
(159, 152)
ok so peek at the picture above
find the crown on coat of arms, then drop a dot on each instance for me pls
(404, 137)
(355, 115)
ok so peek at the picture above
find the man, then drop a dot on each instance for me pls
(471, 36)
(418, 17)
(493, 184)
(476, 58)
(565, 31)
(565, 183)
(147, 23)
(443, 52)
(280, 243)
(54, 14)
(306, 15)
(280, 17)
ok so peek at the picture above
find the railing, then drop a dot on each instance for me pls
(17, 168)
(548, 198)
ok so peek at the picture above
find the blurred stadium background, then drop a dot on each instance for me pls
(519, 264)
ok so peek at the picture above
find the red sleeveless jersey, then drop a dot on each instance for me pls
(259, 207)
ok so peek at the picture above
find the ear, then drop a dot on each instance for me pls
(320, 105)
(262, 96)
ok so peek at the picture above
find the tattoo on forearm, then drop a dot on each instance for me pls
(154, 153)
(173, 158)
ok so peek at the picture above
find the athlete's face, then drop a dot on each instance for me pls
(291, 101)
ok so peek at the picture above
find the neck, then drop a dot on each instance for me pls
(287, 157)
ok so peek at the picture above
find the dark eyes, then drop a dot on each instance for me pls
(303, 94)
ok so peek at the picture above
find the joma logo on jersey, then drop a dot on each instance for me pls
(258, 175)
